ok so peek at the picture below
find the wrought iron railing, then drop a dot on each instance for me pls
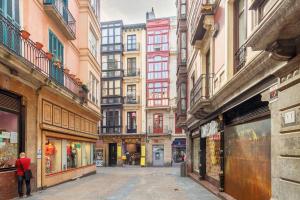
(131, 99)
(28, 53)
(202, 89)
(64, 12)
(131, 72)
(131, 129)
(240, 58)
(111, 100)
(132, 47)
(159, 130)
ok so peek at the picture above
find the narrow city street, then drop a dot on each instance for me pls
(129, 183)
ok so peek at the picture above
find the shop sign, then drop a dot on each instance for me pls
(289, 117)
(39, 154)
(119, 151)
(195, 132)
(5, 135)
(13, 137)
(209, 129)
(143, 150)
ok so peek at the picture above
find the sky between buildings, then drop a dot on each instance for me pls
(134, 11)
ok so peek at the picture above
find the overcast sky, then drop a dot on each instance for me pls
(134, 11)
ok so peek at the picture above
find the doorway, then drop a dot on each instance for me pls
(112, 158)
(158, 155)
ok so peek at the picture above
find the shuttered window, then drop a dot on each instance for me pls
(57, 49)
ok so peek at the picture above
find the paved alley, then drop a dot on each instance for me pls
(128, 183)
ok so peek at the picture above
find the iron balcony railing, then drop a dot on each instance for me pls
(132, 72)
(131, 129)
(202, 89)
(131, 47)
(25, 49)
(159, 130)
(64, 12)
(240, 58)
(111, 129)
(131, 99)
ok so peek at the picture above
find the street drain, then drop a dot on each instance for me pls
(176, 189)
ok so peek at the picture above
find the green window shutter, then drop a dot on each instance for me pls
(56, 47)
(17, 12)
(9, 11)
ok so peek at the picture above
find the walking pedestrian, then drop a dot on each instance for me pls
(23, 173)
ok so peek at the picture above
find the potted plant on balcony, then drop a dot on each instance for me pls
(83, 93)
(72, 76)
(57, 63)
(49, 56)
(25, 34)
(66, 70)
(39, 45)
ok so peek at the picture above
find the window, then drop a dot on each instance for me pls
(183, 8)
(10, 9)
(158, 41)
(158, 94)
(131, 122)
(93, 43)
(111, 62)
(94, 95)
(95, 4)
(57, 49)
(131, 43)
(242, 23)
(183, 46)
(158, 123)
(111, 88)
(62, 155)
(111, 37)
(131, 66)
(183, 97)
(157, 68)
(111, 121)
(9, 139)
(131, 92)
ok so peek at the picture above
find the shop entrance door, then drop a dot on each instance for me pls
(112, 154)
(158, 155)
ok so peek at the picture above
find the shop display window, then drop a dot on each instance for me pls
(8, 139)
(213, 156)
(196, 149)
(61, 155)
(53, 156)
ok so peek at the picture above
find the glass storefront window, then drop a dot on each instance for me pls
(8, 139)
(53, 156)
(213, 156)
(196, 149)
(61, 155)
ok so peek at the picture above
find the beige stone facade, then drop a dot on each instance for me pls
(242, 70)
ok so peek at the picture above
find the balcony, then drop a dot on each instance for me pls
(113, 100)
(112, 73)
(26, 52)
(131, 129)
(131, 73)
(133, 47)
(59, 12)
(200, 9)
(156, 131)
(112, 69)
(131, 99)
(200, 96)
(111, 130)
(277, 28)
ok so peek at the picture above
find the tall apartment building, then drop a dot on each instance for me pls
(49, 89)
(161, 92)
(123, 61)
(242, 69)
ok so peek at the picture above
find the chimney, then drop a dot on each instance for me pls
(150, 15)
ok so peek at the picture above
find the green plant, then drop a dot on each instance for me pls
(85, 88)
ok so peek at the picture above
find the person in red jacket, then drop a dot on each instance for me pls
(22, 165)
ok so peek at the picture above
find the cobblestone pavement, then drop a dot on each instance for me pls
(128, 184)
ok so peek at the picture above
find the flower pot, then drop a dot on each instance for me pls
(49, 56)
(72, 76)
(77, 80)
(25, 34)
(67, 71)
(39, 45)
